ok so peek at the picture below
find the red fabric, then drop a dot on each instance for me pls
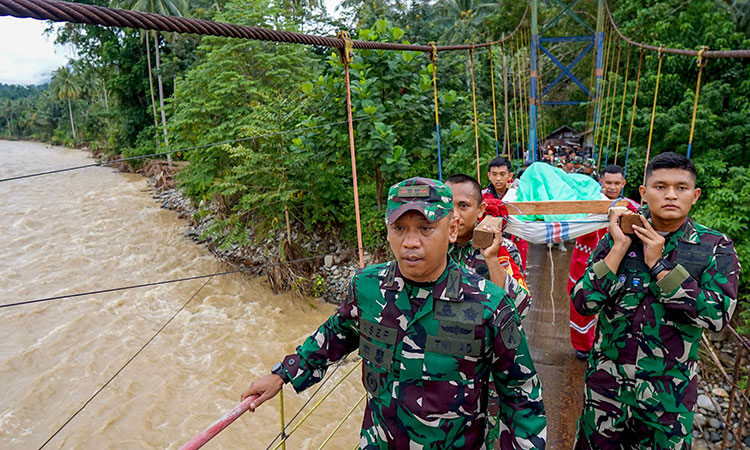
(583, 328)
(495, 207)
(510, 266)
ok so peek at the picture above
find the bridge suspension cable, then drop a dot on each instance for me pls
(159, 283)
(143, 347)
(743, 53)
(60, 11)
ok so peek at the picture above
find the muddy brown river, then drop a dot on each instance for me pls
(96, 228)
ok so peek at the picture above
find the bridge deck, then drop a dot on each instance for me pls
(549, 338)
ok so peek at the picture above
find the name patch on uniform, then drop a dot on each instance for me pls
(462, 312)
(382, 357)
(414, 191)
(455, 329)
(378, 332)
(461, 347)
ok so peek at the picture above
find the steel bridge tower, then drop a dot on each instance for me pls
(539, 43)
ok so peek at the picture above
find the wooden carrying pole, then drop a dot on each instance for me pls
(563, 207)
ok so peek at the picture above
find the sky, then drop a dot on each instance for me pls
(28, 56)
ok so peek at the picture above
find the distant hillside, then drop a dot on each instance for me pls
(14, 91)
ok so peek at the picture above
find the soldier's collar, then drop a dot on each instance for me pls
(464, 245)
(393, 280)
(688, 233)
(448, 287)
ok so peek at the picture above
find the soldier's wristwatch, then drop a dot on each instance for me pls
(278, 369)
(661, 265)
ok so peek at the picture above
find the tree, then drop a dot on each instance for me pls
(66, 86)
(164, 7)
(464, 19)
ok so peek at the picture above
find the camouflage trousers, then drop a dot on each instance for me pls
(608, 424)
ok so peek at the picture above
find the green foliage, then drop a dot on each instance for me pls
(318, 286)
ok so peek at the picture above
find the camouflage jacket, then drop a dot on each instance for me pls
(469, 257)
(428, 352)
(646, 349)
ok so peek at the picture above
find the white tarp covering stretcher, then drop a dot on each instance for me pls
(542, 182)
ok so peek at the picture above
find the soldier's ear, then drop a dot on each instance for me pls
(697, 195)
(453, 228)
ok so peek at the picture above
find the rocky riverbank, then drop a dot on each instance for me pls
(325, 277)
(713, 402)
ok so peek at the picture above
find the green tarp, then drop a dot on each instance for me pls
(541, 181)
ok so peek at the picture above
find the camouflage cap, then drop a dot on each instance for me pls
(430, 197)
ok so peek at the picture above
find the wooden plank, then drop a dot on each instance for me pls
(482, 238)
(628, 220)
(562, 207)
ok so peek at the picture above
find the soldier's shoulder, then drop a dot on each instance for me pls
(707, 234)
(375, 272)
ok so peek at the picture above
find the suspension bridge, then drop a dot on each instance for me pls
(523, 102)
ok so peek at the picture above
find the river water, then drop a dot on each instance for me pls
(96, 228)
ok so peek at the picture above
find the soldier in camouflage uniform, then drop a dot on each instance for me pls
(655, 293)
(430, 335)
(589, 168)
(500, 263)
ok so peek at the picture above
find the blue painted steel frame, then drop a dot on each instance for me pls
(566, 70)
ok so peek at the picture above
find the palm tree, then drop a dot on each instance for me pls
(65, 86)
(463, 18)
(167, 8)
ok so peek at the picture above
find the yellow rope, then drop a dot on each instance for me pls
(515, 96)
(622, 106)
(506, 126)
(474, 102)
(433, 58)
(281, 417)
(653, 113)
(599, 100)
(701, 65)
(635, 102)
(614, 96)
(522, 119)
(527, 82)
(342, 422)
(494, 106)
(603, 113)
(297, 425)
